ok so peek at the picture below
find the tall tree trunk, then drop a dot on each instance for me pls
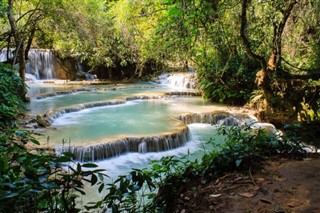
(29, 43)
(262, 74)
(263, 79)
(22, 61)
(277, 39)
(20, 48)
(275, 58)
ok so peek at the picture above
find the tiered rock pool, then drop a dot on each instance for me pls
(121, 127)
(103, 121)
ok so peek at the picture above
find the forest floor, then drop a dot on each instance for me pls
(279, 186)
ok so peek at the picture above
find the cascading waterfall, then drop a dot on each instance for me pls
(142, 147)
(106, 146)
(30, 77)
(82, 74)
(178, 80)
(219, 118)
(41, 64)
(105, 150)
(4, 55)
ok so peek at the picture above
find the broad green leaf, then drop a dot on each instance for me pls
(94, 179)
(89, 165)
(34, 141)
(101, 187)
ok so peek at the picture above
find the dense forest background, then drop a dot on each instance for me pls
(265, 53)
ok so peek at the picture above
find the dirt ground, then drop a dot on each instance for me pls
(281, 186)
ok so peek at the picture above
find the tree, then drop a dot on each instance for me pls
(135, 23)
(236, 43)
(274, 61)
(23, 18)
(276, 80)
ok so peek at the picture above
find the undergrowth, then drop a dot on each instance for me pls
(156, 189)
(40, 182)
(43, 182)
(244, 148)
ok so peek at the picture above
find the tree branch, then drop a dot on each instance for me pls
(245, 40)
(277, 40)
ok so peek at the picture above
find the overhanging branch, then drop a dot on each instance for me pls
(244, 39)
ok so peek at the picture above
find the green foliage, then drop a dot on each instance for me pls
(155, 189)
(3, 9)
(227, 78)
(32, 182)
(301, 43)
(246, 147)
(123, 194)
(11, 104)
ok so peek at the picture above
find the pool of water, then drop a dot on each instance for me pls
(130, 119)
(41, 106)
(94, 93)
(133, 118)
(35, 89)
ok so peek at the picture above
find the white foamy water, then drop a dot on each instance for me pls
(31, 78)
(178, 80)
(200, 135)
(4, 53)
(41, 64)
(122, 165)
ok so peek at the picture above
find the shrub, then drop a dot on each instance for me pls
(11, 104)
(31, 182)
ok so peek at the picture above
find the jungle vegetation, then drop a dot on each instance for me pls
(265, 54)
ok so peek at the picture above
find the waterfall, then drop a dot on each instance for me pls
(40, 64)
(82, 74)
(31, 78)
(3, 55)
(108, 149)
(142, 147)
(268, 127)
(105, 150)
(230, 121)
(218, 118)
(178, 80)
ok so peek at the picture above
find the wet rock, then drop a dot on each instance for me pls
(42, 121)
